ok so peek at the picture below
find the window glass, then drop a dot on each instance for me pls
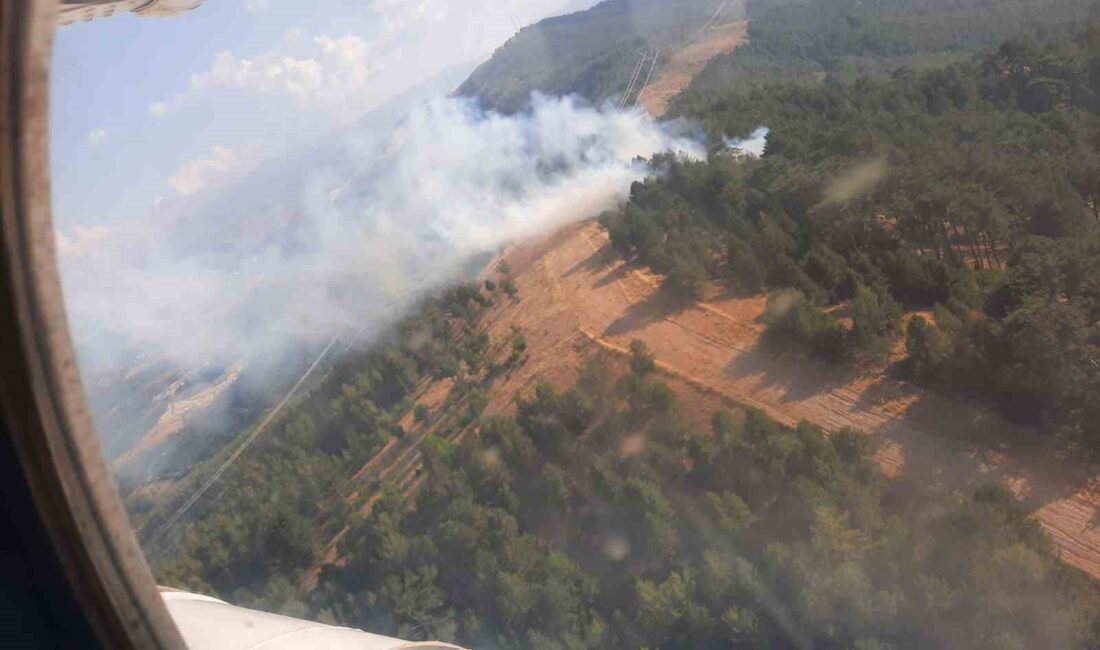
(623, 324)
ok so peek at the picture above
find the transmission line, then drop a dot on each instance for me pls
(182, 510)
(648, 76)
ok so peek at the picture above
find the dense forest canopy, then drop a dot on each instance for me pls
(969, 190)
(840, 40)
(597, 518)
(271, 509)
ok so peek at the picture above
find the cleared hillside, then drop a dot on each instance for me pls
(592, 53)
(576, 291)
(578, 299)
(677, 70)
(576, 391)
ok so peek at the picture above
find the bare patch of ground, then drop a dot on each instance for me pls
(172, 420)
(571, 283)
(577, 298)
(685, 63)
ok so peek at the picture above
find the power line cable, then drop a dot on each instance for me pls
(717, 12)
(633, 80)
(182, 510)
(647, 77)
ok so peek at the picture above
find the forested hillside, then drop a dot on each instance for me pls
(840, 40)
(597, 518)
(969, 190)
(591, 53)
(947, 214)
(276, 505)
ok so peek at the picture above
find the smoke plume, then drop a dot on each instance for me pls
(753, 145)
(292, 252)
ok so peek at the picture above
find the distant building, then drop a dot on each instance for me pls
(75, 11)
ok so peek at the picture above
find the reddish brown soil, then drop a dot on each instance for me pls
(573, 289)
(576, 298)
(676, 72)
(172, 421)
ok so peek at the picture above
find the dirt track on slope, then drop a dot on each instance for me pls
(674, 74)
(575, 293)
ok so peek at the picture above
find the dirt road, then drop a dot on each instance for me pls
(676, 72)
(574, 292)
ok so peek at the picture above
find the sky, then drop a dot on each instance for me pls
(145, 110)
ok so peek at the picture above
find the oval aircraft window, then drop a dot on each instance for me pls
(557, 323)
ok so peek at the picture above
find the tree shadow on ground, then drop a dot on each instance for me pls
(1045, 461)
(949, 444)
(658, 306)
(940, 445)
(616, 274)
(603, 259)
(798, 376)
(594, 263)
(964, 454)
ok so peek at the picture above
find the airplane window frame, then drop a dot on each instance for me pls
(42, 401)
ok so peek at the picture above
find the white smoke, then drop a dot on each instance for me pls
(753, 145)
(292, 254)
